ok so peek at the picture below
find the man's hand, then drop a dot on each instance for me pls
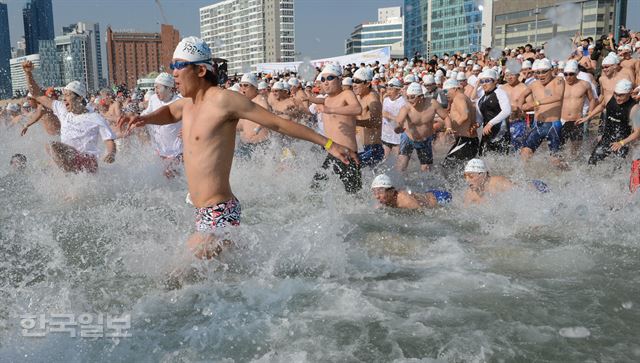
(616, 146)
(487, 129)
(128, 123)
(582, 120)
(343, 153)
(109, 158)
(24, 130)
(27, 66)
(322, 108)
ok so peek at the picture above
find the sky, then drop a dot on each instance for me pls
(322, 26)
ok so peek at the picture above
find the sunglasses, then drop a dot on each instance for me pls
(244, 85)
(541, 72)
(413, 97)
(358, 81)
(183, 64)
(607, 67)
(620, 94)
(486, 80)
(328, 79)
(569, 74)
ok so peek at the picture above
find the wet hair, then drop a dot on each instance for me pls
(211, 76)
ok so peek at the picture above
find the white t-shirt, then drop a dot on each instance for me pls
(81, 131)
(165, 137)
(392, 107)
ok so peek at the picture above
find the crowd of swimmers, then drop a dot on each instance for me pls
(514, 102)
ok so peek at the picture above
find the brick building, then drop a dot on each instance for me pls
(132, 55)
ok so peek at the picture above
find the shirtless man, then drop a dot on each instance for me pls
(50, 122)
(209, 115)
(575, 92)
(586, 61)
(416, 120)
(517, 124)
(14, 114)
(468, 90)
(480, 184)
(369, 122)
(627, 63)
(462, 123)
(612, 73)
(252, 135)
(80, 130)
(387, 195)
(281, 104)
(339, 111)
(166, 139)
(548, 93)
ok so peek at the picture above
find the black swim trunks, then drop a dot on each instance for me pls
(349, 174)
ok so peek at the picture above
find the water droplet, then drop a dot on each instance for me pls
(627, 305)
(558, 48)
(566, 15)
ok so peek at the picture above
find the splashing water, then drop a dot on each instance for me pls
(319, 276)
(514, 66)
(567, 15)
(306, 70)
(558, 48)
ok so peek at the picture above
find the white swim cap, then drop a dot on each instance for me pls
(77, 88)
(332, 70)
(362, 75)
(262, 85)
(438, 79)
(489, 73)
(439, 72)
(279, 86)
(475, 166)
(382, 181)
(626, 48)
(409, 78)
(293, 82)
(394, 82)
(249, 78)
(29, 95)
(561, 64)
(347, 81)
(26, 104)
(623, 86)
(476, 67)
(235, 87)
(571, 66)
(461, 65)
(428, 79)
(526, 64)
(453, 75)
(194, 49)
(461, 77)
(165, 79)
(450, 83)
(542, 65)
(414, 89)
(610, 59)
(469, 62)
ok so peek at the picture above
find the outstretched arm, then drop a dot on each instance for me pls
(250, 111)
(33, 119)
(165, 115)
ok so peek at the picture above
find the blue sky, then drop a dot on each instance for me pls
(322, 26)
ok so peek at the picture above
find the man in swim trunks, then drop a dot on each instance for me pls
(384, 191)
(252, 135)
(415, 121)
(461, 122)
(548, 93)
(166, 139)
(80, 130)
(575, 93)
(209, 116)
(339, 111)
(369, 122)
(517, 124)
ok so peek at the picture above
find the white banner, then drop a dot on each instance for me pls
(382, 55)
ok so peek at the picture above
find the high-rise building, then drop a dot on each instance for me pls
(50, 64)
(453, 26)
(414, 28)
(516, 23)
(5, 53)
(94, 48)
(247, 32)
(132, 55)
(37, 16)
(388, 31)
(18, 79)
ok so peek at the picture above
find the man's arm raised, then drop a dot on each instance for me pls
(165, 115)
(27, 67)
(245, 109)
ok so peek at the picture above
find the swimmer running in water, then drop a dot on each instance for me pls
(384, 191)
(210, 115)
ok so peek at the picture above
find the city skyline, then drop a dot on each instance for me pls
(312, 41)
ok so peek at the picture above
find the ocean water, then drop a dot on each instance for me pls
(319, 276)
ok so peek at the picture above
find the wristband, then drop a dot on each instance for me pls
(327, 146)
(621, 142)
(537, 103)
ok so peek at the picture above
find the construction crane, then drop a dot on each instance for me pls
(164, 18)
